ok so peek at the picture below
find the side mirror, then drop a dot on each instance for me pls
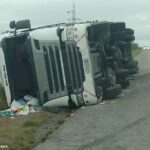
(23, 24)
(59, 31)
(12, 24)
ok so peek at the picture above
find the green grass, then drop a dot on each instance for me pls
(30, 123)
(18, 133)
(136, 52)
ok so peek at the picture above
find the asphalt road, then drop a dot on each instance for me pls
(121, 124)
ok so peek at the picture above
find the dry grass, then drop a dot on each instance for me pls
(20, 133)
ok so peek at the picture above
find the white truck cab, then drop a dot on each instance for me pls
(41, 65)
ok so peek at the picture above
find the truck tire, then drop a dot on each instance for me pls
(117, 26)
(112, 92)
(122, 73)
(129, 31)
(122, 35)
(129, 37)
(133, 70)
(118, 35)
(131, 64)
(124, 83)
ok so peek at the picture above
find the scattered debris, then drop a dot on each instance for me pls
(24, 106)
(12, 117)
(103, 103)
(23, 111)
(7, 113)
(108, 102)
(82, 107)
(113, 102)
(31, 100)
(17, 104)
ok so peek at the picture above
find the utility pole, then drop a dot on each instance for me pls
(73, 13)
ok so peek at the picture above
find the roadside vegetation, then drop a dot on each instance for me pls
(25, 132)
(136, 50)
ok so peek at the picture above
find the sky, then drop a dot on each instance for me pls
(136, 13)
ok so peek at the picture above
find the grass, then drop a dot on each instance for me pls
(30, 123)
(21, 132)
(136, 52)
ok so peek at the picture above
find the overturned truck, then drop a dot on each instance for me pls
(80, 63)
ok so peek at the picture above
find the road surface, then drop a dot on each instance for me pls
(121, 124)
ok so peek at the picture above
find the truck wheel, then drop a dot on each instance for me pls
(129, 37)
(122, 73)
(133, 70)
(99, 93)
(118, 35)
(112, 92)
(129, 31)
(122, 35)
(131, 64)
(124, 83)
(117, 26)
